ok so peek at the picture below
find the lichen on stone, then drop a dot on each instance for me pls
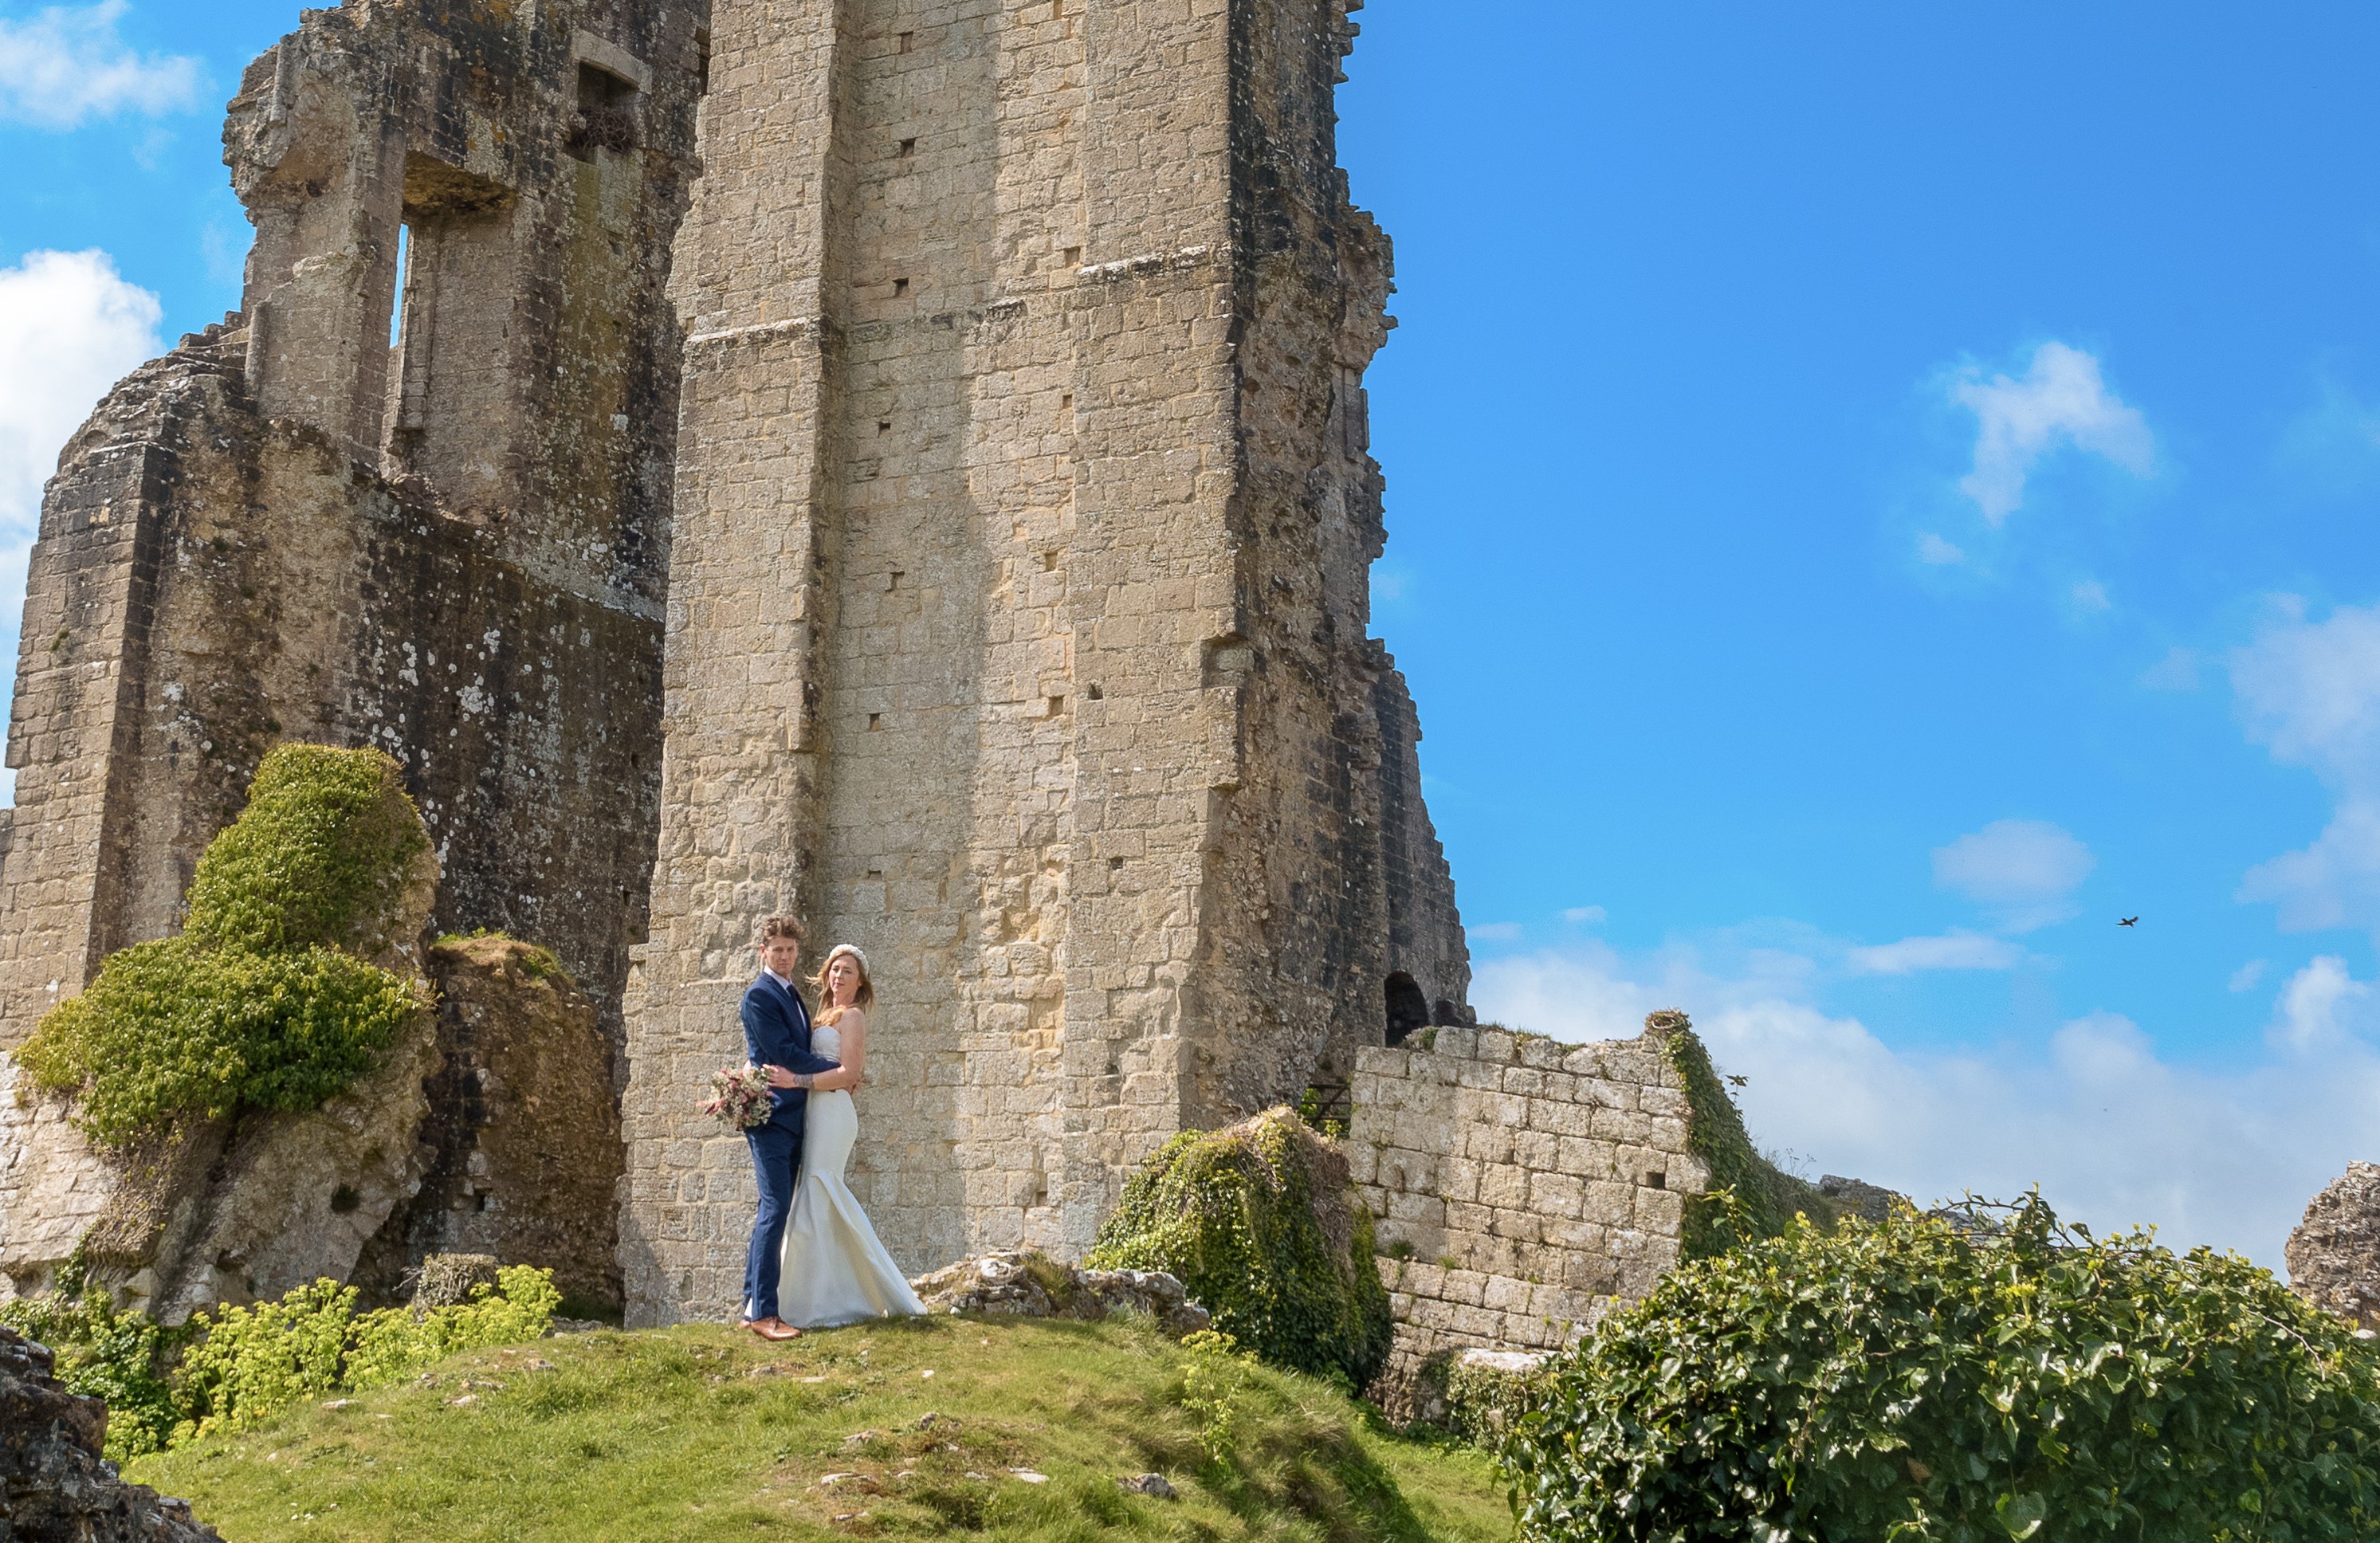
(1261, 1225)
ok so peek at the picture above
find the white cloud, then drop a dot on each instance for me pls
(2060, 400)
(2245, 979)
(2177, 670)
(70, 328)
(2321, 1005)
(1495, 931)
(1935, 552)
(2092, 595)
(1954, 950)
(2114, 1134)
(2311, 693)
(1586, 916)
(2027, 869)
(68, 64)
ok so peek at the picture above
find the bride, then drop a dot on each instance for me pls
(836, 1270)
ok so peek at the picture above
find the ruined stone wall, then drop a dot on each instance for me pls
(454, 547)
(1018, 604)
(1521, 1185)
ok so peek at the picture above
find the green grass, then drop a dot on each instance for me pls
(704, 1433)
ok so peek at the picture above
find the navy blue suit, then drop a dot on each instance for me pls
(776, 1033)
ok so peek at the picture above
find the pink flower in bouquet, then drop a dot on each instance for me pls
(739, 1097)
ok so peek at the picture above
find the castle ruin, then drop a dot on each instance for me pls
(901, 462)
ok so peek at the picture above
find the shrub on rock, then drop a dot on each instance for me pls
(1261, 1225)
(1957, 1379)
(269, 1000)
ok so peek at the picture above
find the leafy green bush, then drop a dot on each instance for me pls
(257, 1361)
(116, 1357)
(253, 1007)
(174, 1027)
(320, 854)
(1951, 1379)
(1246, 1218)
(247, 1364)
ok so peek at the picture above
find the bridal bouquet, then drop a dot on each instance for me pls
(739, 1097)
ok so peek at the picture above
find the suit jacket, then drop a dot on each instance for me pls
(777, 1033)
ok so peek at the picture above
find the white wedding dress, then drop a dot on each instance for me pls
(835, 1271)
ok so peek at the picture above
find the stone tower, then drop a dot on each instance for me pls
(452, 542)
(1019, 608)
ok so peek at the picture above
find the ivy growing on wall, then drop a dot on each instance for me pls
(1239, 1216)
(259, 1005)
(1765, 1198)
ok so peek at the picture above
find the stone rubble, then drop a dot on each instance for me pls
(1030, 1285)
(2333, 1255)
(54, 1485)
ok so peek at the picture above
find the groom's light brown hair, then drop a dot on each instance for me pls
(776, 927)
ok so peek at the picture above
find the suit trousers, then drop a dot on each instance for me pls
(776, 1152)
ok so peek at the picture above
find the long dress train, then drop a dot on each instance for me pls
(836, 1271)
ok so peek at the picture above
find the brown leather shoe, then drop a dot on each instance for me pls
(774, 1329)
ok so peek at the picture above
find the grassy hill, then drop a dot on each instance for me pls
(1008, 1430)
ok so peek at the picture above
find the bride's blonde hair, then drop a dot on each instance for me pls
(862, 999)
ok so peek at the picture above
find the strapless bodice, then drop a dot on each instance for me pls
(825, 1041)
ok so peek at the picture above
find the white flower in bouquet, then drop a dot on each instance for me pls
(739, 1097)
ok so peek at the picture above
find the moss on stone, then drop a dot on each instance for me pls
(1764, 1198)
(1261, 1225)
(260, 1004)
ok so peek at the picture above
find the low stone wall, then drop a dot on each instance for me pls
(1522, 1186)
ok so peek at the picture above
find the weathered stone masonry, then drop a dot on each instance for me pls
(1521, 1185)
(1018, 606)
(456, 548)
(957, 534)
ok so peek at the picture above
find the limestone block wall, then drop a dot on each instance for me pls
(1521, 1185)
(455, 549)
(1018, 606)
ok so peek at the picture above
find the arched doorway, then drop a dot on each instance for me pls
(1408, 1008)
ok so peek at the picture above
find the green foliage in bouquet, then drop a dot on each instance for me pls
(257, 1005)
(1234, 1214)
(1988, 1375)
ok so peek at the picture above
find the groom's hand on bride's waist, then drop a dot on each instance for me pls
(780, 1077)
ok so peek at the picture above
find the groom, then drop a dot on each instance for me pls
(777, 1037)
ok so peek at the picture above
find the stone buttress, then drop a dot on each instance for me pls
(1018, 609)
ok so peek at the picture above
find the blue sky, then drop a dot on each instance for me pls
(1877, 493)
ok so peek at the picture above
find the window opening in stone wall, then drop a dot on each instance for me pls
(702, 61)
(908, 41)
(899, 287)
(1408, 1008)
(607, 114)
(908, 147)
(404, 259)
